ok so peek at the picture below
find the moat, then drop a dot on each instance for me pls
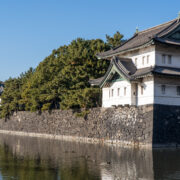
(26, 158)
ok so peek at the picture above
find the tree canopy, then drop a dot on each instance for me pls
(61, 79)
(115, 40)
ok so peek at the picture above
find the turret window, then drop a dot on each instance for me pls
(163, 59)
(163, 89)
(143, 60)
(112, 92)
(178, 90)
(136, 61)
(169, 59)
(125, 91)
(118, 91)
(147, 59)
(142, 90)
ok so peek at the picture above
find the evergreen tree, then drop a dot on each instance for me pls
(116, 40)
(61, 79)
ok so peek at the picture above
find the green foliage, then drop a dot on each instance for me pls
(116, 40)
(60, 80)
(11, 97)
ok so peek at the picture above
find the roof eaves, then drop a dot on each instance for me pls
(127, 50)
(115, 48)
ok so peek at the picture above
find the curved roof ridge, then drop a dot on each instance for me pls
(157, 26)
(125, 41)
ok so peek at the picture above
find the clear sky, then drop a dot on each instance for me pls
(31, 29)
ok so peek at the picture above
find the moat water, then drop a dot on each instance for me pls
(25, 158)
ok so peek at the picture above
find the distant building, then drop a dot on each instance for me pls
(1, 89)
(145, 69)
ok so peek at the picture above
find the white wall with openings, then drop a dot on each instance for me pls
(144, 60)
(118, 94)
(146, 91)
(167, 94)
(168, 59)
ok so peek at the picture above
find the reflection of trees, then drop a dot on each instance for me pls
(78, 171)
(42, 159)
(24, 168)
(31, 159)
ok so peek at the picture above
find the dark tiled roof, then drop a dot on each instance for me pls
(167, 71)
(124, 65)
(142, 38)
(127, 69)
(96, 82)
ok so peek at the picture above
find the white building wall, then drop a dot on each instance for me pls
(109, 99)
(170, 97)
(152, 93)
(148, 92)
(144, 60)
(175, 58)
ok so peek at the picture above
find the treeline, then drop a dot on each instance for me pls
(61, 79)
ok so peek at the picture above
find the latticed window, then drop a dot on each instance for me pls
(169, 59)
(136, 61)
(143, 60)
(163, 59)
(142, 90)
(112, 92)
(118, 91)
(178, 90)
(163, 89)
(147, 59)
(125, 91)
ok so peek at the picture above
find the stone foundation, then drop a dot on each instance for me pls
(148, 125)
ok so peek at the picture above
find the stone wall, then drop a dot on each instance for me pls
(127, 125)
(155, 125)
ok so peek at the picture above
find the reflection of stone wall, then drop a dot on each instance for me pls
(104, 162)
(166, 126)
(128, 125)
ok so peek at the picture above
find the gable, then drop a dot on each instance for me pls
(114, 75)
(174, 35)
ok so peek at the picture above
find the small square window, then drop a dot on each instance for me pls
(163, 89)
(136, 61)
(142, 90)
(112, 92)
(163, 59)
(125, 91)
(169, 59)
(178, 90)
(147, 59)
(118, 91)
(143, 60)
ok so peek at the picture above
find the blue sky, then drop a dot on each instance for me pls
(30, 30)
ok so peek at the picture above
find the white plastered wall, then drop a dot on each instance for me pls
(142, 59)
(170, 96)
(148, 91)
(120, 98)
(138, 55)
(175, 58)
(109, 100)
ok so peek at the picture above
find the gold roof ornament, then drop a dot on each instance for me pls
(178, 18)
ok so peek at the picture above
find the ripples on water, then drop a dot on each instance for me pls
(25, 158)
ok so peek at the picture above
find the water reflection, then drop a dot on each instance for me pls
(26, 158)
